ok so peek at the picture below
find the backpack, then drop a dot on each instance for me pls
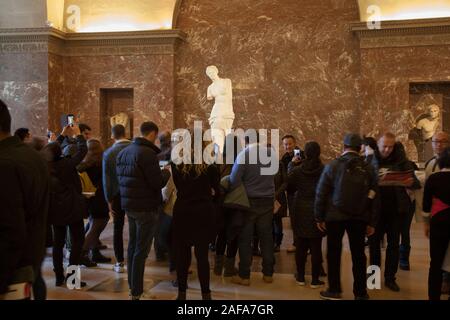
(352, 186)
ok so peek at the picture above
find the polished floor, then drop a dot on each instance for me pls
(105, 284)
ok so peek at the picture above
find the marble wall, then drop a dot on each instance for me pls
(24, 88)
(386, 75)
(56, 102)
(151, 77)
(294, 66)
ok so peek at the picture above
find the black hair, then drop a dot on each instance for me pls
(5, 118)
(83, 127)
(118, 131)
(371, 142)
(148, 127)
(22, 133)
(288, 136)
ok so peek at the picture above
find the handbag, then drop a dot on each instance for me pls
(86, 183)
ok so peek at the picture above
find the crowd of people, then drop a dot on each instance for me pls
(62, 192)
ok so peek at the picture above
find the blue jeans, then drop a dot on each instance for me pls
(142, 227)
(260, 218)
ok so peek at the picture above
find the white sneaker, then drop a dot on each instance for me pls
(301, 282)
(119, 267)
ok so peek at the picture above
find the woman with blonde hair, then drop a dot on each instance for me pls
(198, 186)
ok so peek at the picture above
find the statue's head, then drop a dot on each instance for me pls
(212, 72)
(434, 111)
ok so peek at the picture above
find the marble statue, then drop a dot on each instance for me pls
(427, 125)
(121, 118)
(222, 115)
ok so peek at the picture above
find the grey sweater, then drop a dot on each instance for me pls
(256, 184)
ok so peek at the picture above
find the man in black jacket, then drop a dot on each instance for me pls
(140, 184)
(289, 160)
(394, 205)
(336, 192)
(24, 200)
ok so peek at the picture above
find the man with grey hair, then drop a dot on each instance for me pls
(394, 204)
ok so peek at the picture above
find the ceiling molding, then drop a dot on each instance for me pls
(88, 44)
(404, 33)
(176, 12)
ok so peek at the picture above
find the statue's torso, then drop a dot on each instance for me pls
(428, 127)
(221, 91)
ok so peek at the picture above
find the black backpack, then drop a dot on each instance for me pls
(352, 186)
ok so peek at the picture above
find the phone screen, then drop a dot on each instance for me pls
(70, 120)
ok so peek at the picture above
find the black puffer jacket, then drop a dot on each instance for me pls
(140, 178)
(303, 180)
(395, 199)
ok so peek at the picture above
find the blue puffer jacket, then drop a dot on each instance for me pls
(140, 178)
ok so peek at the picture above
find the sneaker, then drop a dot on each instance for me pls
(300, 281)
(327, 295)
(119, 267)
(291, 249)
(268, 279)
(392, 285)
(363, 297)
(241, 281)
(316, 284)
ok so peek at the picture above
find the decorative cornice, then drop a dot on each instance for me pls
(404, 33)
(88, 44)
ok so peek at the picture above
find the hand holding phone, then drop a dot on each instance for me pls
(71, 120)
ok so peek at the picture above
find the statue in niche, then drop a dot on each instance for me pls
(427, 125)
(222, 115)
(122, 118)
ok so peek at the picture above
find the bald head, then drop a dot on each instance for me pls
(386, 144)
(441, 140)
